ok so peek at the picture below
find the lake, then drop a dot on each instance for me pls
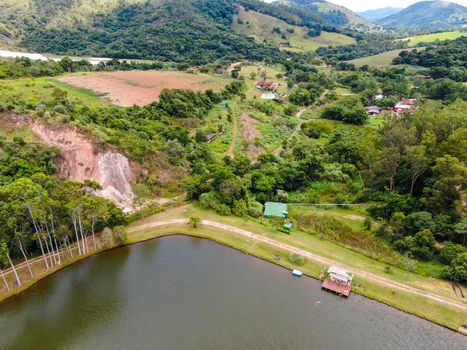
(187, 293)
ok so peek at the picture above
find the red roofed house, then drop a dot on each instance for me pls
(266, 85)
(405, 105)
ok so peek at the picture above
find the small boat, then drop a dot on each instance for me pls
(297, 273)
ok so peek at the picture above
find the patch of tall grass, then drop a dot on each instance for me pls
(328, 227)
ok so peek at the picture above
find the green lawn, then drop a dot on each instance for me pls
(37, 90)
(383, 59)
(428, 38)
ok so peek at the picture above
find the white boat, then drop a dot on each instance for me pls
(297, 273)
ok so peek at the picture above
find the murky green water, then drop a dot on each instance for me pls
(185, 293)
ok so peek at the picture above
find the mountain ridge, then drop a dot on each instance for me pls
(380, 13)
(332, 13)
(428, 15)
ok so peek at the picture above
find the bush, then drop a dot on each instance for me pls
(450, 251)
(350, 111)
(119, 236)
(418, 221)
(255, 209)
(297, 259)
(458, 269)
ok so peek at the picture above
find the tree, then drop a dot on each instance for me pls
(142, 195)
(5, 253)
(450, 180)
(418, 221)
(450, 251)
(417, 162)
(194, 221)
(348, 110)
(458, 269)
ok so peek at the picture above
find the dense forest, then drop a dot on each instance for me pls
(24, 67)
(168, 31)
(446, 60)
(368, 44)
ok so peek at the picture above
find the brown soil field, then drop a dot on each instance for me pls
(142, 87)
(249, 134)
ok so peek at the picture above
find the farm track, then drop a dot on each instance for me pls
(231, 151)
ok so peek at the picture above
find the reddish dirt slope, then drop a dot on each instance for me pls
(81, 161)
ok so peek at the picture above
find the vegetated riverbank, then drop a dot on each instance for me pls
(444, 314)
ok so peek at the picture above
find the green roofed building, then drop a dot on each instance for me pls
(276, 210)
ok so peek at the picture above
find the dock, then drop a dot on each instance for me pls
(336, 288)
(338, 282)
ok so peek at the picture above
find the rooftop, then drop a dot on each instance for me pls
(275, 209)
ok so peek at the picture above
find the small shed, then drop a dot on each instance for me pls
(211, 136)
(340, 276)
(276, 210)
(373, 110)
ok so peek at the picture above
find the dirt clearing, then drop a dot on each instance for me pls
(250, 135)
(142, 87)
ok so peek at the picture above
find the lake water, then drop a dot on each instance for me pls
(186, 293)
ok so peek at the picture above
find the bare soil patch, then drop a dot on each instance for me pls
(249, 135)
(142, 87)
(82, 160)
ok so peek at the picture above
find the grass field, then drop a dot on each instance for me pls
(260, 27)
(428, 38)
(37, 90)
(383, 59)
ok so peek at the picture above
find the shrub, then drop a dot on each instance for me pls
(119, 236)
(450, 251)
(348, 110)
(297, 259)
(255, 209)
(458, 269)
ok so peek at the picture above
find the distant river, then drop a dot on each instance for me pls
(186, 293)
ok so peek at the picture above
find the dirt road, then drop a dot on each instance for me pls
(309, 255)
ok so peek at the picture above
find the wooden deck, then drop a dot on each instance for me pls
(336, 288)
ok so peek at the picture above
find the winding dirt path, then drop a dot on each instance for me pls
(309, 255)
(231, 151)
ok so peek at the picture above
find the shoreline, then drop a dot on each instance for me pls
(152, 234)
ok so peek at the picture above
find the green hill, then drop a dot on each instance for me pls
(332, 13)
(428, 15)
(278, 32)
(188, 31)
(429, 38)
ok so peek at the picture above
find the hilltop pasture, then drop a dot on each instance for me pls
(266, 28)
(428, 38)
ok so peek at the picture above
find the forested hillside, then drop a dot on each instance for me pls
(169, 30)
(331, 13)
